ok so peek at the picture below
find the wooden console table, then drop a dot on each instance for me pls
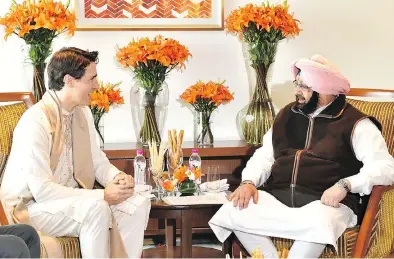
(231, 157)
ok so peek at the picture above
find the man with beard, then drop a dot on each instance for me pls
(317, 165)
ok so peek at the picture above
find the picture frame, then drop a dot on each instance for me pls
(149, 14)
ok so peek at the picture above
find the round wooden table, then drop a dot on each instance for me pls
(184, 213)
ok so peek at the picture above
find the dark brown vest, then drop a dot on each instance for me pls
(312, 154)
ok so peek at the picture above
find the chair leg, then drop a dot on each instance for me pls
(227, 246)
(239, 250)
(233, 247)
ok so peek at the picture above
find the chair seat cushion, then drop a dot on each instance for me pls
(61, 247)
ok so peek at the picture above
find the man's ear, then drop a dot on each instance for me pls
(68, 80)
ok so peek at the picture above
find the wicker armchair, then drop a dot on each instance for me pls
(64, 247)
(374, 238)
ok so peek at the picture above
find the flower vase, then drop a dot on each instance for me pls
(174, 161)
(203, 133)
(155, 180)
(187, 187)
(257, 117)
(39, 88)
(149, 111)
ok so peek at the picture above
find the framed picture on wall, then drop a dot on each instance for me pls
(149, 14)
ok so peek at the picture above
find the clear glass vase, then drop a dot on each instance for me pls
(98, 120)
(203, 129)
(149, 112)
(174, 160)
(257, 117)
(187, 187)
(155, 175)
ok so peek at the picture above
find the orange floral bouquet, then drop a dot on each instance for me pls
(101, 100)
(261, 27)
(205, 98)
(151, 61)
(186, 179)
(38, 23)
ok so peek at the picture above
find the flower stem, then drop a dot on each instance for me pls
(260, 109)
(203, 138)
(97, 115)
(149, 131)
(38, 81)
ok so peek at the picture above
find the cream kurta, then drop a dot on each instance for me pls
(314, 222)
(55, 193)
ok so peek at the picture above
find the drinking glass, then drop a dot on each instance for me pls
(213, 178)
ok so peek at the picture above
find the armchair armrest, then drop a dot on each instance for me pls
(369, 222)
(3, 217)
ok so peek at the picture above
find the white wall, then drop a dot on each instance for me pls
(356, 34)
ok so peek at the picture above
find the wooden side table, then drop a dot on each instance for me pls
(230, 156)
(186, 214)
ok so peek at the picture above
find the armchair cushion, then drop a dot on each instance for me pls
(384, 113)
(9, 117)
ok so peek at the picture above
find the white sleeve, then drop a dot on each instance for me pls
(105, 172)
(258, 168)
(31, 144)
(378, 165)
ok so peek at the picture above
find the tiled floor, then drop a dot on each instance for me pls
(198, 240)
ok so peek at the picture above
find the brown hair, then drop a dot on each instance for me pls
(68, 61)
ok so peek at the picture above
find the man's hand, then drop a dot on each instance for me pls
(333, 196)
(116, 193)
(125, 180)
(241, 196)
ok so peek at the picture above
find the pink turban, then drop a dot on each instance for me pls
(321, 75)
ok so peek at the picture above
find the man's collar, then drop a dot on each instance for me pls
(332, 111)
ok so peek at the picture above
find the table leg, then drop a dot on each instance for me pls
(170, 232)
(186, 234)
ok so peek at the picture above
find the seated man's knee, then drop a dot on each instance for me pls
(13, 247)
(146, 205)
(100, 208)
(28, 233)
(143, 210)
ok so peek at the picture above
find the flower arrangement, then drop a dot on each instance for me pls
(205, 97)
(38, 23)
(102, 99)
(261, 27)
(257, 253)
(151, 61)
(186, 177)
(169, 185)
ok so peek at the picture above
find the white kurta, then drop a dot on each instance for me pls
(59, 207)
(314, 222)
